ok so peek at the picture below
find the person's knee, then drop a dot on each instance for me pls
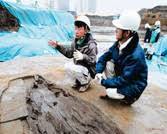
(128, 100)
(109, 70)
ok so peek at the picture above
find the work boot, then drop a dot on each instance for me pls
(84, 88)
(113, 94)
(76, 84)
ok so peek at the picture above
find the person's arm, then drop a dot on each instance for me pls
(101, 64)
(65, 50)
(129, 72)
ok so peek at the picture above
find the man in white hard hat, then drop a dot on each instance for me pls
(83, 50)
(122, 70)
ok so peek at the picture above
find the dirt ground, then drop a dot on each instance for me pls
(146, 116)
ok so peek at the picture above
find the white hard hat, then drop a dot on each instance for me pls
(128, 20)
(157, 23)
(84, 19)
(147, 25)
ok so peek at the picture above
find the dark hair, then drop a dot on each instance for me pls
(131, 32)
(81, 24)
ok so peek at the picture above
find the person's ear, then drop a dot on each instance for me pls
(86, 30)
(128, 33)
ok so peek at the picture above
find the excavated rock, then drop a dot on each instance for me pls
(47, 109)
(61, 113)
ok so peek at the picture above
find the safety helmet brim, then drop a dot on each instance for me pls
(82, 22)
(84, 19)
(128, 20)
(117, 24)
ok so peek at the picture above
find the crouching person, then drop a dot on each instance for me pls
(122, 70)
(83, 50)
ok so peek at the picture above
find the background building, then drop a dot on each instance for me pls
(92, 6)
(63, 4)
(78, 6)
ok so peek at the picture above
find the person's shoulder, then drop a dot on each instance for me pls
(92, 42)
(115, 45)
(92, 45)
(138, 52)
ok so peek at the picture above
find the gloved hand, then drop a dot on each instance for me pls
(98, 77)
(78, 55)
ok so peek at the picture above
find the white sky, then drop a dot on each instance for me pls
(108, 7)
(116, 6)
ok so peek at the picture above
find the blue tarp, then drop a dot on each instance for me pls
(159, 60)
(161, 46)
(37, 26)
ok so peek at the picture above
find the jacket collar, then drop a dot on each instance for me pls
(122, 46)
(88, 39)
(129, 48)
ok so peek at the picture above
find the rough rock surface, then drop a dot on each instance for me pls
(59, 112)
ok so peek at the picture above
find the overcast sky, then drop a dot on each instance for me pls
(107, 7)
(117, 6)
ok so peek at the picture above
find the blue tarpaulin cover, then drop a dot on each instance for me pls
(37, 27)
(158, 65)
(159, 60)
